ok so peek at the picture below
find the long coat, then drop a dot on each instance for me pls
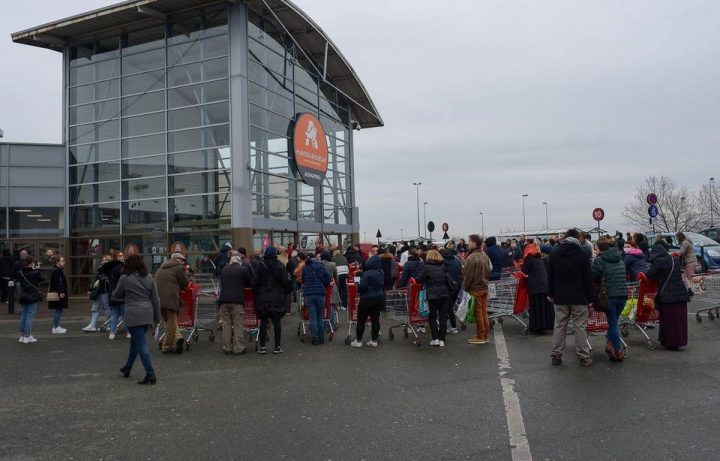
(170, 279)
(58, 283)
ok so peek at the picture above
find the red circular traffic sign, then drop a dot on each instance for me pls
(598, 214)
(445, 227)
(651, 199)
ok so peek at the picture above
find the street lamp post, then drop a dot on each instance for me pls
(547, 225)
(524, 197)
(417, 190)
(482, 224)
(712, 210)
(425, 218)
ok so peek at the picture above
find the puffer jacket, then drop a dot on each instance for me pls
(411, 269)
(570, 274)
(141, 299)
(271, 284)
(315, 279)
(434, 280)
(170, 279)
(668, 273)
(610, 267)
(233, 280)
(534, 268)
(373, 280)
(453, 266)
(635, 263)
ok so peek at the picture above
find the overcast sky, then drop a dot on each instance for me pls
(573, 103)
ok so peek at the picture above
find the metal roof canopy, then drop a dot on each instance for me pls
(306, 34)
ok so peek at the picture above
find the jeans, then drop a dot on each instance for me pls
(138, 346)
(103, 300)
(342, 288)
(117, 312)
(276, 318)
(438, 306)
(26, 318)
(56, 318)
(369, 308)
(578, 314)
(616, 306)
(316, 306)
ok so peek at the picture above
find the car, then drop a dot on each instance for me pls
(712, 232)
(707, 250)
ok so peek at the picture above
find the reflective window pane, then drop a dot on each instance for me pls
(199, 160)
(101, 71)
(200, 212)
(95, 172)
(95, 219)
(269, 100)
(144, 145)
(143, 124)
(94, 132)
(269, 121)
(143, 166)
(145, 216)
(92, 112)
(94, 92)
(142, 83)
(200, 183)
(143, 39)
(144, 188)
(93, 193)
(95, 152)
(143, 62)
(143, 103)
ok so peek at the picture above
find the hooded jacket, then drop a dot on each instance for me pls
(635, 263)
(609, 269)
(433, 277)
(411, 269)
(497, 258)
(223, 258)
(373, 280)
(271, 284)
(668, 273)
(453, 266)
(170, 279)
(315, 278)
(569, 274)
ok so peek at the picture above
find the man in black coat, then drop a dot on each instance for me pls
(233, 280)
(570, 289)
(271, 284)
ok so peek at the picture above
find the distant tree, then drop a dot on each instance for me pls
(678, 207)
(708, 206)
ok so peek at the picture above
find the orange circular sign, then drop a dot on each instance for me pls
(310, 149)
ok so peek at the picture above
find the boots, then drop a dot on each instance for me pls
(610, 349)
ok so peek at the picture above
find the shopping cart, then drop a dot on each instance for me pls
(402, 305)
(193, 316)
(251, 323)
(597, 324)
(508, 298)
(304, 324)
(706, 292)
(643, 315)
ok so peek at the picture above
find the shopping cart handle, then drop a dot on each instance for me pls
(641, 277)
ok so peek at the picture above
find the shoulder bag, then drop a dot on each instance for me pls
(39, 292)
(602, 303)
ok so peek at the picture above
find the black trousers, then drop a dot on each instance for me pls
(342, 288)
(451, 308)
(369, 308)
(276, 318)
(438, 307)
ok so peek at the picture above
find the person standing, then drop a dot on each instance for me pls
(412, 268)
(271, 285)
(542, 316)
(372, 300)
(634, 259)
(58, 284)
(99, 297)
(314, 281)
(687, 253)
(608, 270)
(7, 272)
(454, 268)
(332, 271)
(234, 278)
(342, 269)
(672, 298)
(30, 296)
(497, 257)
(434, 279)
(170, 279)
(570, 289)
(475, 281)
(114, 270)
(137, 291)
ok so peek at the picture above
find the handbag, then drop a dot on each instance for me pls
(39, 292)
(602, 303)
(53, 296)
(452, 285)
(423, 307)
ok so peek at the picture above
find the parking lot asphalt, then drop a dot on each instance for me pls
(64, 398)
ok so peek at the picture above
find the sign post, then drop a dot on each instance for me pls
(431, 228)
(598, 215)
(653, 212)
(378, 236)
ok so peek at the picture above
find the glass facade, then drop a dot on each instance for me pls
(282, 83)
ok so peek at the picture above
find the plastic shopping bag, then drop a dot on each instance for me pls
(462, 307)
(470, 316)
(423, 307)
(629, 311)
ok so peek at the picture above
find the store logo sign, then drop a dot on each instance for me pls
(310, 149)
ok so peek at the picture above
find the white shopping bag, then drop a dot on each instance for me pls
(462, 307)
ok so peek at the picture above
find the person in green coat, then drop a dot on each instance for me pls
(608, 269)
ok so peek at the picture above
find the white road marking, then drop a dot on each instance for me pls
(519, 446)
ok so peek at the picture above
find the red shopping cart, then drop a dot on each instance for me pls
(304, 324)
(597, 324)
(403, 305)
(508, 297)
(190, 323)
(251, 323)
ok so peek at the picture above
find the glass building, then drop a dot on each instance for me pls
(178, 129)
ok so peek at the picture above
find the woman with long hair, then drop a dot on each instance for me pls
(136, 289)
(542, 313)
(58, 284)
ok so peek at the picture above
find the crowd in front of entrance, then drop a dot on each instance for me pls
(566, 277)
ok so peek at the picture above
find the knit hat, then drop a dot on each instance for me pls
(270, 252)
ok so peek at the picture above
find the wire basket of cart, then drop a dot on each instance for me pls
(403, 305)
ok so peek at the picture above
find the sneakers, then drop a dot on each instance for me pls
(111, 336)
(435, 342)
(453, 331)
(371, 343)
(30, 339)
(278, 350)
(557, 360)
(90, 328)
(23, 339)
(356, 343)
(262, 350)
(59, 331)
(477, 341)
(441, 343)
(586, 363)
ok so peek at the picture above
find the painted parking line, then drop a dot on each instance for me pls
(519, 446)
